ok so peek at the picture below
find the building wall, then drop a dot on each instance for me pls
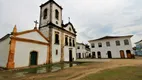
(66, 53)
(22, 53)
(44, 22)
(45, 31)
(82, 50)
(33, 36)
(67, 28)
(54, 20)
(4, 52)
(56, 58)
(115, 50)
(67, 48)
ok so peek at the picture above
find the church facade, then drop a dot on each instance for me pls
(62, 37)
(22, 49)
(52, 42)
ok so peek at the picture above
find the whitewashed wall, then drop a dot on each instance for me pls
(22, 53)
(45, 31)
(67, 48)
(4, 52)
(44, 22)
(54, 7)
(67, 28)
(84, 53)
(115, 50)
(66, 53)
(56, 58)
(33, 36)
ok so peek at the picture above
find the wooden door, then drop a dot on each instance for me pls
(122, 55)
(129, 54)
(33, 58)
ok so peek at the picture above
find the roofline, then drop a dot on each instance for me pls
(5, 37)
(28, 31)
(79, 43)
(59, 28)
(69, 23)
(49, 2)
(109, 38)
(138, 42)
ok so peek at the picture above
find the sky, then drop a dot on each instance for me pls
(92, 19)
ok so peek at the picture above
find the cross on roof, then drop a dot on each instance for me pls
(69, 19)
(36, 23)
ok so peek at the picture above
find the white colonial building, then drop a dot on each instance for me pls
(62, 37)
(82, 51)
(112, 47)
(53, 42)
(21, 49)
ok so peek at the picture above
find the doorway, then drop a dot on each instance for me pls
(93, 55)
(109, 54)
(89, 55)
(79, 55)
(122, 55)
(128, 54)
(33, 58)
(70, 56)
(99, 54)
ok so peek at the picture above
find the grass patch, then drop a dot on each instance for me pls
(122, 73)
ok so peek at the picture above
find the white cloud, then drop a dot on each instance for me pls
(91, 18)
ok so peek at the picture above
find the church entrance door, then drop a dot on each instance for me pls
(70, 56)
(33, 58)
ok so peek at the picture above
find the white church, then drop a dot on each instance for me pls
(52, 42)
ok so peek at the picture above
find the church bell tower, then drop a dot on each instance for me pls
(50, 13)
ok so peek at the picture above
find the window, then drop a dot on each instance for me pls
(93, 45)
(70, 44)
(107, 44)
(117, 43)
(99, 44)
(45, 14)
(56, 14)
(73, 43)
(126, 42)
(66, 40)
(56, 38)
(56, 52)
(78, 47)
(69, 29)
